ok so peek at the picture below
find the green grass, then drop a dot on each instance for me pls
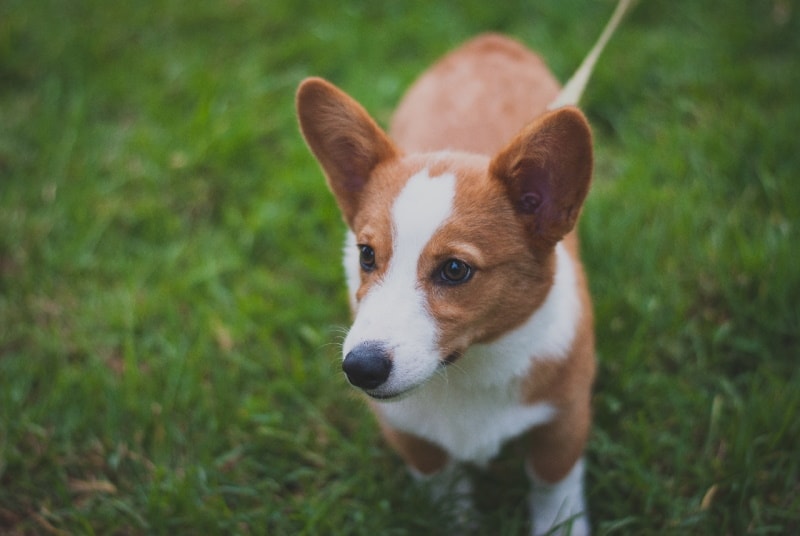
(171, 296)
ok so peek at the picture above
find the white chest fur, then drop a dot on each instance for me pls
(471, 424)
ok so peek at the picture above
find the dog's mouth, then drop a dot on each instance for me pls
(452, 358)
(385, 397)
(378, 394)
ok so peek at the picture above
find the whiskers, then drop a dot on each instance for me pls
(450, 369)
(338, 333)
(335, 340)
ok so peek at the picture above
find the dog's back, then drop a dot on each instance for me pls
(475, 98)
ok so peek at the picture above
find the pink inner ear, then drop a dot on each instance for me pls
(538, 196)
(529, 202)
(534, 188)
(350, 164)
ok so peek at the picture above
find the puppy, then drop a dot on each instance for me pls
(472, 318)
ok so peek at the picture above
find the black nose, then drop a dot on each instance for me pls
(367, 365)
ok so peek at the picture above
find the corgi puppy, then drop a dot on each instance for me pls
(472, 317)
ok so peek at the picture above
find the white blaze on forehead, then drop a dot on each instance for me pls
(394, 311)
(421, 208)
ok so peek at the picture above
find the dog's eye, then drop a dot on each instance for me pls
(367, 258)
(454, 272)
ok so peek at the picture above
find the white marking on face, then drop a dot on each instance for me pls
(394, 311)
(352, 267)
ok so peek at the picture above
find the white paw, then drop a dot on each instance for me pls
(559, 509)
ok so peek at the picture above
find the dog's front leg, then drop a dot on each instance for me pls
(452, 487)
(555, 468)
(431, 467)
(559, 508)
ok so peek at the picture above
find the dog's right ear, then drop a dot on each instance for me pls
(343, 137)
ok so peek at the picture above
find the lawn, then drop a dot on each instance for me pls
(171, 296)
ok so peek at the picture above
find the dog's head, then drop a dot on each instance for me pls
(444, 250)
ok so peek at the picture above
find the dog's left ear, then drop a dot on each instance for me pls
(346, 141)
(546, 171)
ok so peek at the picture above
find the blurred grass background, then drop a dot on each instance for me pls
(171, 296)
